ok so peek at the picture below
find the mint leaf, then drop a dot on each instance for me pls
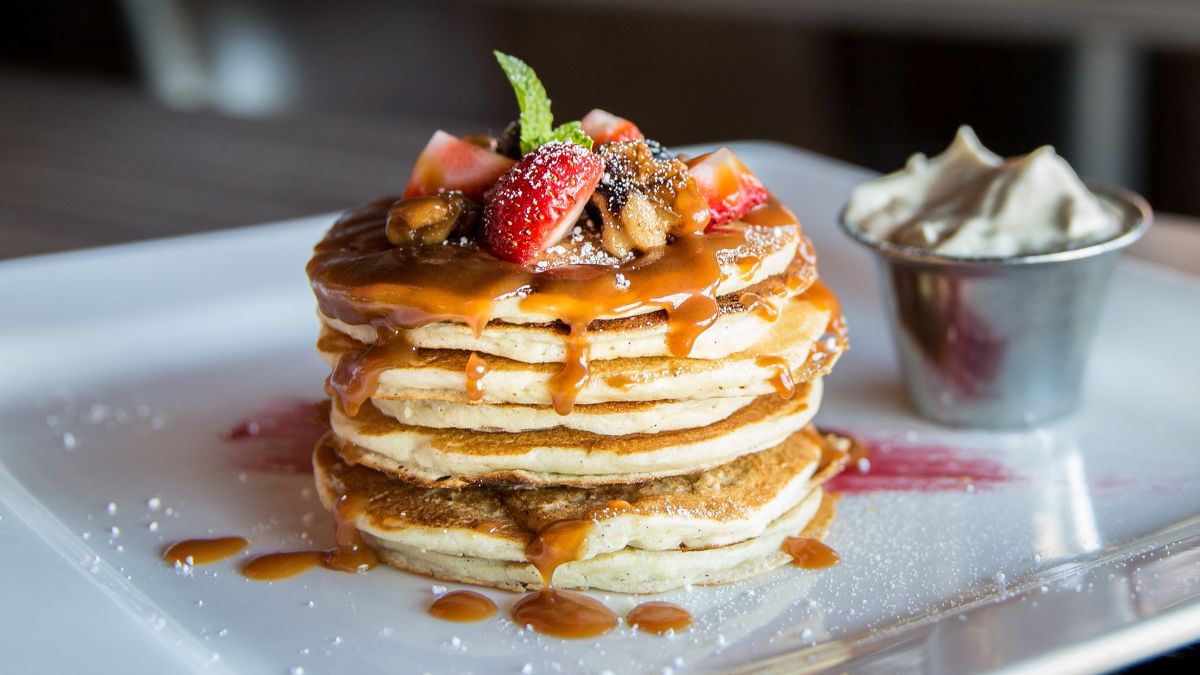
(570, 132)
(536, 119)
(531, 98)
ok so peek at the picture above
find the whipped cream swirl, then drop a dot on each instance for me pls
(970, 203)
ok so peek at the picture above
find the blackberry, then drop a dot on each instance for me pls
(658, 150)
(509, 143)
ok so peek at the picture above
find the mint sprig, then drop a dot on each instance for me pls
(536, 119)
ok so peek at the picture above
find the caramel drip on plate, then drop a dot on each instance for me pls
(351, 554)
(659, 617)
(462, 606)
(810, 554)
(563, 614)
(477, 367)
(553, 611)
(285, 565)
(203, 551)
(781, 379)
(360, 278)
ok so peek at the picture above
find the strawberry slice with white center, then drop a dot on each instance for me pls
(730, 189)
(450, 163)
(535, 204)
(605, 127)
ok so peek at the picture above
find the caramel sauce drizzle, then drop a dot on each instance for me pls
(760, 306)
(203, 551)
(781, 379)
(623, 381)
(359, 277)
(351, 554)
(356, 375)
(557, 543)
(748, 266)
(487, 526)
(477, 367)
(810, 554)
(833, 459)
(659, 617)
(284, 565)
(550, 610)
(462, 606)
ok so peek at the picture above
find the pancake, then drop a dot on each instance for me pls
(355, 270)
(631, 570)
(560, 456)
(479, 534)
(745, 316)
(441, 374)
(618, 418)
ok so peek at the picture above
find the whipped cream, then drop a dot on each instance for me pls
(970, 203)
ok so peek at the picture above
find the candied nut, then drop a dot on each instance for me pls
(509, 143)
(429, 220)
(645, 197)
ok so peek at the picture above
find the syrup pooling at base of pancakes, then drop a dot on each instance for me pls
(553, 611)
(361, 278)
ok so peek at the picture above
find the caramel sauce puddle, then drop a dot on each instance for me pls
(659, 617)
(351, 554)
(203, 551)
(557, 612)
(810, 554)
(462, 606)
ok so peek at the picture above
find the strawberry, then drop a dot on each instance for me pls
(730, 189)
(537, 201)
(450, 163)
(605, 127)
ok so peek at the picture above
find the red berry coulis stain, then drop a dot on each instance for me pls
(278, 437)
(901, 466)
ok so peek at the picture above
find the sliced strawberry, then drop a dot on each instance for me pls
(730, 189)
(450, 163)
(605, 127)
(535, 204)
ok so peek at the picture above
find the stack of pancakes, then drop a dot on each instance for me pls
(679, 428)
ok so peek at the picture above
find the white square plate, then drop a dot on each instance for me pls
(124, 367)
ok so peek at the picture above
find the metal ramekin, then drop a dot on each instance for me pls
(998, 342)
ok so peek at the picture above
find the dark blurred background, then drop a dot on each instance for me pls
(1115, 86)
(129, 119)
